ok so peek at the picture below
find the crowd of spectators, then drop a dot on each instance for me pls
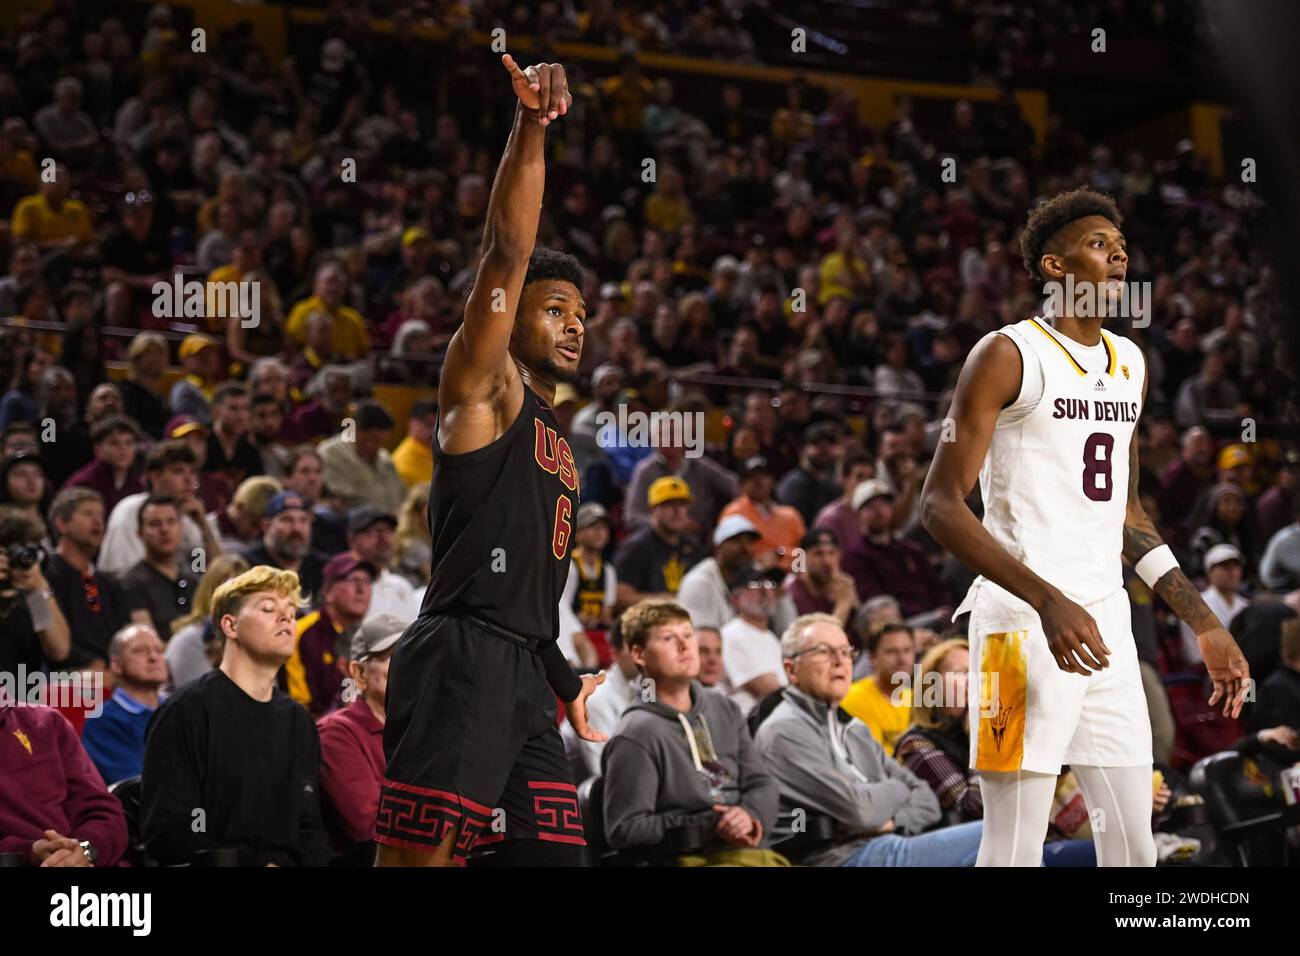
(806, 284)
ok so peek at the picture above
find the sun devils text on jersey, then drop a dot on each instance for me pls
(1055, 479)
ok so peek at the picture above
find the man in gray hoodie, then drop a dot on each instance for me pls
(828, 763)
(684, 756)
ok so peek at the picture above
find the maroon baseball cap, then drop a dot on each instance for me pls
(178, 426)
(341, 565)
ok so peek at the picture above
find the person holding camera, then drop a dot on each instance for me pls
(33, 630)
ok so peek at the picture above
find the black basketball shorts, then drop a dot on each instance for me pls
(472, 743)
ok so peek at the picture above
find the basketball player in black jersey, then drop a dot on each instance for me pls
(475, 761)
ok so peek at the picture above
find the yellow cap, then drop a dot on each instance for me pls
(413, 234)
(1234, 455)
(194, 343)
(668, 488)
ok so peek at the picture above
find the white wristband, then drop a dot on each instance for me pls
(1155, 564)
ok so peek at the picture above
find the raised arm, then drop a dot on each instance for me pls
(1223, 658)
(480, 391)
(989, 381)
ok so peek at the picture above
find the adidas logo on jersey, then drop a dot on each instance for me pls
(1100, 386)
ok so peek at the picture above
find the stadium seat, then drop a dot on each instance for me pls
(1246, 804)
(128, 795)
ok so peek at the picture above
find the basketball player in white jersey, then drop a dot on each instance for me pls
(1046, 414)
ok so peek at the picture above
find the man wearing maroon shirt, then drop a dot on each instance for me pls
(352, 742)
(1183, 480)
(886, 564)
(111, 473)
(818, 583)
(54, 807)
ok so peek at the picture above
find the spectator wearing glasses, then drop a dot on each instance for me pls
(751, 652)
(883, 700)
(136, 253)
(827, 762)
(93, 603)
(352, 738)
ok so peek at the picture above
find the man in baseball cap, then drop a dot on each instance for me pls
(652, 560)
(1223, 566)
(352, 742)
(593, 584)
(314, 674)
(779, 526)
(751, 652)
(358, 468)
(286, 541)
(200, 354)
(821, 584)
(706, 588)
(371, 537)
(884, 563)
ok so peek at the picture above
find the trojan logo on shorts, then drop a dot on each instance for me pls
(553, 454)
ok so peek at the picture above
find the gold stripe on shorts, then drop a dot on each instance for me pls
(1002, 697)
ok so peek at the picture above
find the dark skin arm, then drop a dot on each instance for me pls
(482, 386)
(481, 390)
(989, 381)
(1223, 658)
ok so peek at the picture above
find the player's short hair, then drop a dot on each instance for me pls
(231, 595)
(638, 620)
(881, 631)
(1052, 215)
(552, 264)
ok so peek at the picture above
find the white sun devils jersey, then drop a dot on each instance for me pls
(1055, 480)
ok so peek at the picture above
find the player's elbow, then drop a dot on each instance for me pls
(935, 507)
